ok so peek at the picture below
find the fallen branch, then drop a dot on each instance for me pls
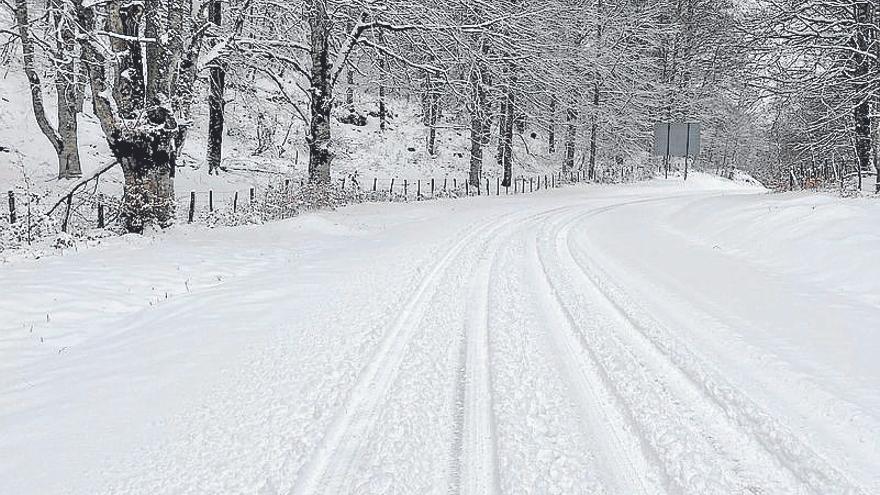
(85, 180)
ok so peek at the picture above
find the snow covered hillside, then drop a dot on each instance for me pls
(365, 152)
(699, 338)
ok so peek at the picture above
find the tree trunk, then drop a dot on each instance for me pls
(433, 115)
(476, 170)
(594, 131)
(479, 124)
(383, 111)
(148, 155)
(68, 157)
(216, 101)
(594, 136)
(505, 139)
(64, 139)
(862, 111)
(321, 93)
(129, 84)
(349, 78)
(69, 97)
(570, 137)
(597, 88)
(551, 137)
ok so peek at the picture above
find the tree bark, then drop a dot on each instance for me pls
(597, 91)
(148, 156)
(479, 122)
(321, 93)
(570, 137)
(862, 110)
(349, 77)
(129, 84)
(216, 103)
(69, 96)
(433, 114)
(551, 135)
(64, 139)
(594, 133)
(505, 139)
(383, 111)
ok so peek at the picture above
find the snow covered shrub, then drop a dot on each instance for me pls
(30, 223)
(63, 240)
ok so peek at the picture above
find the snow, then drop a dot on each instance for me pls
(705, 338)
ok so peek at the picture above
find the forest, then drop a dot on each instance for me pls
(785, 90)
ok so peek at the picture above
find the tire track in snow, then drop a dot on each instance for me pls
(339, 446)
(473, 468)
(575, 463)
(622, 468)
(739, 411)
(542, 443)
(477, 458)
(336, 455)
(680, 431)
(852, 426)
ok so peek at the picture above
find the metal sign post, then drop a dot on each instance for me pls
(666, 158)
(682, 140)
(687, 151)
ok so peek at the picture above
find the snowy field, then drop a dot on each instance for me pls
(706, 338)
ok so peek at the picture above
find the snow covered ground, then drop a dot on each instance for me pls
(706, 338)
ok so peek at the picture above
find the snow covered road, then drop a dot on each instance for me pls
(615, 340)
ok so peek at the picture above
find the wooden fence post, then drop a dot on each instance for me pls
(391, 191)
(531, 185)
(419, 190)
(405, 187)
(67, 213)
(432, 187)
(467, 188)
(235, 202)
(444, 183)
(192, 206)
(100, 211)
(375, 180)
(12, 217)
(252, 196)
(211, 200)
(488, 192)
(497, 186)
(454, 183)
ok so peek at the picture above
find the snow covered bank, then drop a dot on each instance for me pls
(829, 240)
(780, 290)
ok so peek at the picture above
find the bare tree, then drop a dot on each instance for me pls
(69, 89)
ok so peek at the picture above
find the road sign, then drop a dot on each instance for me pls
(677, 139)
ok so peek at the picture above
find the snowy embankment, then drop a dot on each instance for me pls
(821, 237)
(652, 338)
